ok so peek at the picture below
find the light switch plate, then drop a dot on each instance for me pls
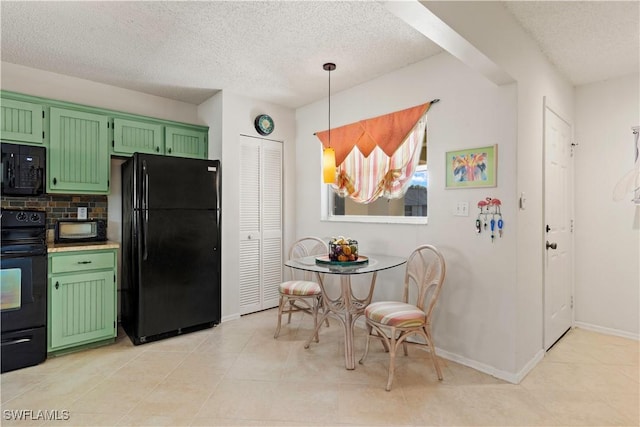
(461, 209)
(82, 213)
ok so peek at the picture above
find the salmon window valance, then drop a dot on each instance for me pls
(387, 154)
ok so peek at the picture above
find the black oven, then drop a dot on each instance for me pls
(23, 287)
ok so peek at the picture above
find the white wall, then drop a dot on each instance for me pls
(31, 81)
(229, 116)
(493, 30)
(607, 238)
(475, 317)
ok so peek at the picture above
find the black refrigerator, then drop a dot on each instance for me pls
(170, 246)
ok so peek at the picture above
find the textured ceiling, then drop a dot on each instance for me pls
(189, 50)
(588, 41)
(274, 50)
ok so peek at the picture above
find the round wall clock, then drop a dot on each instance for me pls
(264, 124)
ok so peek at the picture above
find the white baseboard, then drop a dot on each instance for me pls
(510, 377)
(235, 316)
(607, 331)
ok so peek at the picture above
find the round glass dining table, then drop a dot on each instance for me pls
(346, 307)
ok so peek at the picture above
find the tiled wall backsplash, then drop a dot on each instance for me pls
(59, 206)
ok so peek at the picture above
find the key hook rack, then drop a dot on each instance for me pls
(490, 217)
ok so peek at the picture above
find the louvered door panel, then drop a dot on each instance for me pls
(78, 152)
(250, 228)
(271, 270)
(250, 216)
(81, 308)
(272, 221)
(250, 277)
(21, 121)
(272, 185)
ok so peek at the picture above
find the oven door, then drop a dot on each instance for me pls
(23, 291)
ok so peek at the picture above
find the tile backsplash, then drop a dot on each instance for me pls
(59, 206)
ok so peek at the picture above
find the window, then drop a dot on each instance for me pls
(412, 208)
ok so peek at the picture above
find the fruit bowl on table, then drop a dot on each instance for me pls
(342, 251)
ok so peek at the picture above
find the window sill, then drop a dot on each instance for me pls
(377, 219)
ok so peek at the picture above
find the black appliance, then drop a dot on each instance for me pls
(170, 246)
(23, 170)
(23, 283)
(70, 230)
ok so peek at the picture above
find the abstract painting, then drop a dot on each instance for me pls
(474, 167)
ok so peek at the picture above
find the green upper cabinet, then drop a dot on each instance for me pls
(78, 157)
(21, 121)
(131, 136)
(181, 142)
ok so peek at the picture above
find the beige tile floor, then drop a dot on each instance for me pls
(237, 374)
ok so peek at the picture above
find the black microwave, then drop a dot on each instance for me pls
(80, 230)
(23, 170)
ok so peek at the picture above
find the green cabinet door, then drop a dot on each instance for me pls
(78, 156)
(181, 142)
(21, 121)
(81, 309)
(130, 136)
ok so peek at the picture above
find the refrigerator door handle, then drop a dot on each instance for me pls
(145, 207)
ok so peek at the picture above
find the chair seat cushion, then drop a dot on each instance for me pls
(396, 314)
(300, 288)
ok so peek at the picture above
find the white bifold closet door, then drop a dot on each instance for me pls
(261, 249)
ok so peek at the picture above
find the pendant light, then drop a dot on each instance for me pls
(329, 154)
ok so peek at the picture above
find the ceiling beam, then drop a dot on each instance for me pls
(426, 22)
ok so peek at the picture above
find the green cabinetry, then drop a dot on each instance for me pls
(131, 136)
(21, 121)
(80, 139)
(182, 142)
(82, 299)
(78, 157)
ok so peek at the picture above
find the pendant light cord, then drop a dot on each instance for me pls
(329, 98)
(329, 66)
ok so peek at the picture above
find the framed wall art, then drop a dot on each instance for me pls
(472, 167)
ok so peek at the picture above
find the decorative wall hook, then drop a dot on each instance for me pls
(490, 216)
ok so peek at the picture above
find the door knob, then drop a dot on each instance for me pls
(551, 245)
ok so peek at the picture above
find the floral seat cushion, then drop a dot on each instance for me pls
(395, 314)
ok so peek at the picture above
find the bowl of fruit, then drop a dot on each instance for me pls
(343, 249)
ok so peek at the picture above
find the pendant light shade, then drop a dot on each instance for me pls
(329, 165)
(329, 154)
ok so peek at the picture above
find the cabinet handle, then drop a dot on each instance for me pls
(57, 285)
(169, 150)
(55, 181)
(84, 262)
(157, 149)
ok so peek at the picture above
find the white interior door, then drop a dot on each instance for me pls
(260, 256)
(558, 251)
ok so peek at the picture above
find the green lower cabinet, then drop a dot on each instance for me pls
(181, 142)
(82, 300)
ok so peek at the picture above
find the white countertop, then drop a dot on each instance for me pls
(89, 246)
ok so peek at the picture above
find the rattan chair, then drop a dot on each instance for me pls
(394, 321)
(302, 293)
